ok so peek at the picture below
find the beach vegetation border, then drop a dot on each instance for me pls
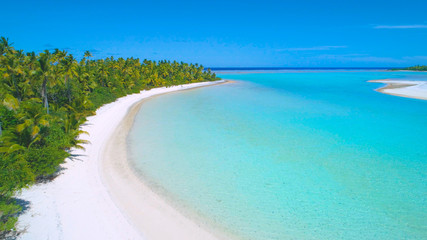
(44, 99)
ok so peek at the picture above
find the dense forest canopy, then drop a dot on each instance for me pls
(45, 97)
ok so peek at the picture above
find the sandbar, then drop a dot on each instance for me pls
(403, 88)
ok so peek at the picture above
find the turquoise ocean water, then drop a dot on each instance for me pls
(290, 155)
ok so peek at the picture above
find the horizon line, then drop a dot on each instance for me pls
(225, 68)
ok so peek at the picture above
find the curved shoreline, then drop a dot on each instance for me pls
(82, 202)
(147, 211)
(403, 88)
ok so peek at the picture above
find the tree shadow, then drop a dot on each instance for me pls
(14, 234)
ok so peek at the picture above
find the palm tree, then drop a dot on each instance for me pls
(58, 55)
(31, 121)
(69, 68)
(33, 142)
(87, 54)
(103, 75)
(73, 119)
(44, 71)
(5, 46)
(13, 71)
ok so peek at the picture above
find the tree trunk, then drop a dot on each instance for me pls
(67, 82)
(15, 84)
(44, 95)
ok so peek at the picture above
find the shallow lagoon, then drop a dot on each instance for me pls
(300, 155)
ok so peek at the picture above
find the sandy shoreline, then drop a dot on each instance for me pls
(98, 196)
(403, 88)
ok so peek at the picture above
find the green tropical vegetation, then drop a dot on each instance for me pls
(45, 97)
(414, 68)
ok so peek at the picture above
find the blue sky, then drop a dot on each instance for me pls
(343, 33)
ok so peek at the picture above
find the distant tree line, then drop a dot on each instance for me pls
(45, 97)
(414, 68)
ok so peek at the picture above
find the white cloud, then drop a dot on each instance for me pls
(400, 26)
(317, 48)
(416, 58)
(358, 58)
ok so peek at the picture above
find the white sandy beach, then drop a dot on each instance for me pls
(404, 88)
(97, 196)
